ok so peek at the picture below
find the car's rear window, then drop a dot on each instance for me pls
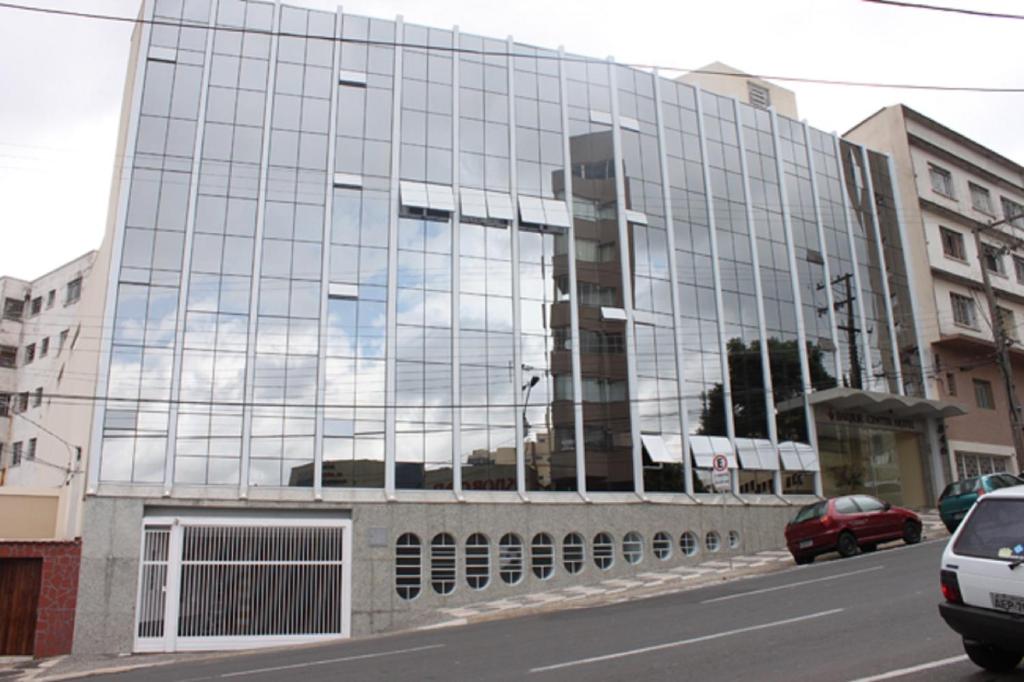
(811, 511)
(995, 530)
(1002, 481)
(950, 490)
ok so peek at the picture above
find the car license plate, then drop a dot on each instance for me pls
(1007, 602)
(804, 544)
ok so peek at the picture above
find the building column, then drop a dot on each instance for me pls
(627, 284)
(574, 312)
(805, 370)
(673, 270)
(762, 332)
(730, 425)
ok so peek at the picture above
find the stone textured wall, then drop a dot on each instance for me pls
(55, 616)
(112, 534)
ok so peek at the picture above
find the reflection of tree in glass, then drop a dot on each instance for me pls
(748, 395)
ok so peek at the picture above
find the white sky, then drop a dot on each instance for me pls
(61, 80)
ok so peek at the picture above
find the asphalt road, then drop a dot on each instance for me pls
(873, 617)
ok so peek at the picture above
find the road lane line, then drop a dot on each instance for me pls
(256, 671)
(796, 584)
(913, 669)
(684, 642)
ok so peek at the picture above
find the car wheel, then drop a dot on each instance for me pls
(990, 657)
(803, 560)
(847, 544)
(911, 533)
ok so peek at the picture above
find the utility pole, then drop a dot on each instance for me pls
(1000, 339)
(850, 327)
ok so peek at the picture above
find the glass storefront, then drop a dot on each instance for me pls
(872, 459)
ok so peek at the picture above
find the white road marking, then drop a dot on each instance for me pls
(913, 669)
(789, 585)
(684, 642)
(310, 664)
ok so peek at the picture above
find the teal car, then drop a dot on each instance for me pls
(957, 498)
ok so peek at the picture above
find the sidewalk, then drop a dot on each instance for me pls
(610, 591)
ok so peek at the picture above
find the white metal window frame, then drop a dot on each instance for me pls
(574, 553)
(689, 544)
(171, 642)
(662, 544)
(478, 561)
(633, 547)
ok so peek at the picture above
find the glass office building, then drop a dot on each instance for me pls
(360, 260)
(356, 253)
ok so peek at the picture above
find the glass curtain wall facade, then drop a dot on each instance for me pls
(360, 254)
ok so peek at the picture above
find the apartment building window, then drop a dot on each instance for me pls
(44, 347)
(992, 257)
(63, 341)
(942, 180)
(74, 291)
(5, 401)
(50, 298)
(16, 454)
(30, 451)
(30, 353)
(8, 356)
(981, 200)
(1018, 269)
(22, 403)
(1013, 212)
(758, 95)
(1008, 321)
(951, 383)
(37, 305)
(963, 310)
(983, 394)
(37, 397)
(953, 244)
(13, 309)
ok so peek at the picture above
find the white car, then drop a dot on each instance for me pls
(983, 580)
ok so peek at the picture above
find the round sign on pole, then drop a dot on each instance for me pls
(721, 481)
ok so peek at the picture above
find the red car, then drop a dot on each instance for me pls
(848, 525)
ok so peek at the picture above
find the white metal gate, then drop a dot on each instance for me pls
(230, 583)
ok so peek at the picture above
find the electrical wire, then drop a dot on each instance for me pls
(502, 53)
(940, 8)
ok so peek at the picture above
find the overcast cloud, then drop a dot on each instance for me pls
(61, 80)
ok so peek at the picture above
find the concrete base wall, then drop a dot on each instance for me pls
(112, 534)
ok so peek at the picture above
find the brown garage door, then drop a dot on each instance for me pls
(20, 580)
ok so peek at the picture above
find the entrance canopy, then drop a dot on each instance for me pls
(869, 402)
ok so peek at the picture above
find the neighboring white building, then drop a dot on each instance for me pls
(728, 81)
(951, 187)
(45, 342)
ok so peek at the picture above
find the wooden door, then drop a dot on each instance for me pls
(20, 580)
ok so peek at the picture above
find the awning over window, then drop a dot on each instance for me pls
(704, 449)
(757, 454)
(798, 456)
(423, 195)
(547, 212)
(872, 402)
(476, 203)
(657, 450)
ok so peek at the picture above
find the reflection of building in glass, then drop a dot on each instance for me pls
(395, 276)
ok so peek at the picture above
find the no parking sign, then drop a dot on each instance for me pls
(720, 479)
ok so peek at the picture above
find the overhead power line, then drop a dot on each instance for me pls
(954, 10)
(505, 53)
